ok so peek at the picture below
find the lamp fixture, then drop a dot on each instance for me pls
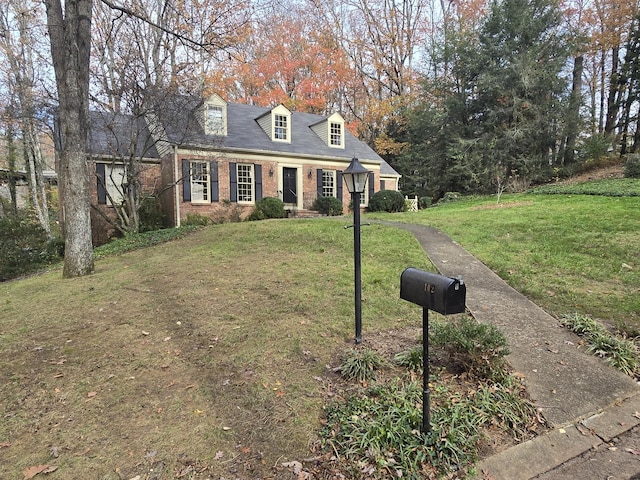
(355, 176)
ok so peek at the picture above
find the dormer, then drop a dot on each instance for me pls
(213, 117)
(331, 130)
(277, 124)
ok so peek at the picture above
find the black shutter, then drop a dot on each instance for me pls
(319, 182)
(371, 186)
(213, 180)
(257, 169)
(186, 181)
(339, 186)
(102, 192)
(233, 182)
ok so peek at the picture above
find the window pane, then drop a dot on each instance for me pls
(114, 184)
(245, 183)
(280, 127)
(328, 183)
(336, 134)
(199, 181)
(215, 124)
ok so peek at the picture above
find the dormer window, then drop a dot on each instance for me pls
(331, 130)
(335, 134)
(215, 120)
(214, 115)
(277, 124)
(280, 126)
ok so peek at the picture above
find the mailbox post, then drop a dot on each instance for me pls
(432, 292)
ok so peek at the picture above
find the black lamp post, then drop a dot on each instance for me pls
(355, 176)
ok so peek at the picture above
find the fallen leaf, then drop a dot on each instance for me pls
(219, 454)
(91, 394)
(4, 444)
(166, 339)
(226, 429)
(35, 470)
(145, 332)
(295, 466)
(633, 451)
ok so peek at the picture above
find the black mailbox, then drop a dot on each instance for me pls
(435, 292)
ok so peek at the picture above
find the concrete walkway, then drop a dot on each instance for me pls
(583, 400)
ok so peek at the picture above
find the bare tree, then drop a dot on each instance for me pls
(17, 21)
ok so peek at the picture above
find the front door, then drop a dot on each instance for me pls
(290, 185)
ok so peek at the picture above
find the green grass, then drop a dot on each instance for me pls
(568, 253)
(205, 348)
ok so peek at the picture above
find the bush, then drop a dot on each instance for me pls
(25, 247)
(424, 202)
(196, 220)
(449, 197)
(268, 207)
(151, 215)
(327, 206)
(594, 147)
(387, 201)
(632, 166)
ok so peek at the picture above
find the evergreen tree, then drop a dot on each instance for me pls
(520, 90)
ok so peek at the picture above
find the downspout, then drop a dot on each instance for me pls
(176, 175)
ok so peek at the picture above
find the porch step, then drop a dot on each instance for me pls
(303, 214)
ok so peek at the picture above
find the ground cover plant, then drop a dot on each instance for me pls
(376, 430)
(203, 357)
(618, 187)
(568, 253)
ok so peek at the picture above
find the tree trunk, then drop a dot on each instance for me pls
(573, 115)
(70, 36)
(613, 104)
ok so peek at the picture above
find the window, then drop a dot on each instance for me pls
(112, 183)
(328, 183)
(280, 127)
(335, 134)
(199, 174)
(245, 183)
(215, 120)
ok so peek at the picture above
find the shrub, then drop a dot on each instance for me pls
(594, 147)
(448, 198)
(327, 206)
(387, 201)
(25, 247)
(196, 220)
(151, 215)
(632, 166)
(268, 207)
(424, 202)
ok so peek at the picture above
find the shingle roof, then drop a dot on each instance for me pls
(181, 127)
(119, 135)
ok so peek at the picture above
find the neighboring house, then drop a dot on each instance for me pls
(210, 156)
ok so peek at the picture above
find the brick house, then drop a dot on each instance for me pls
(207, 157)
